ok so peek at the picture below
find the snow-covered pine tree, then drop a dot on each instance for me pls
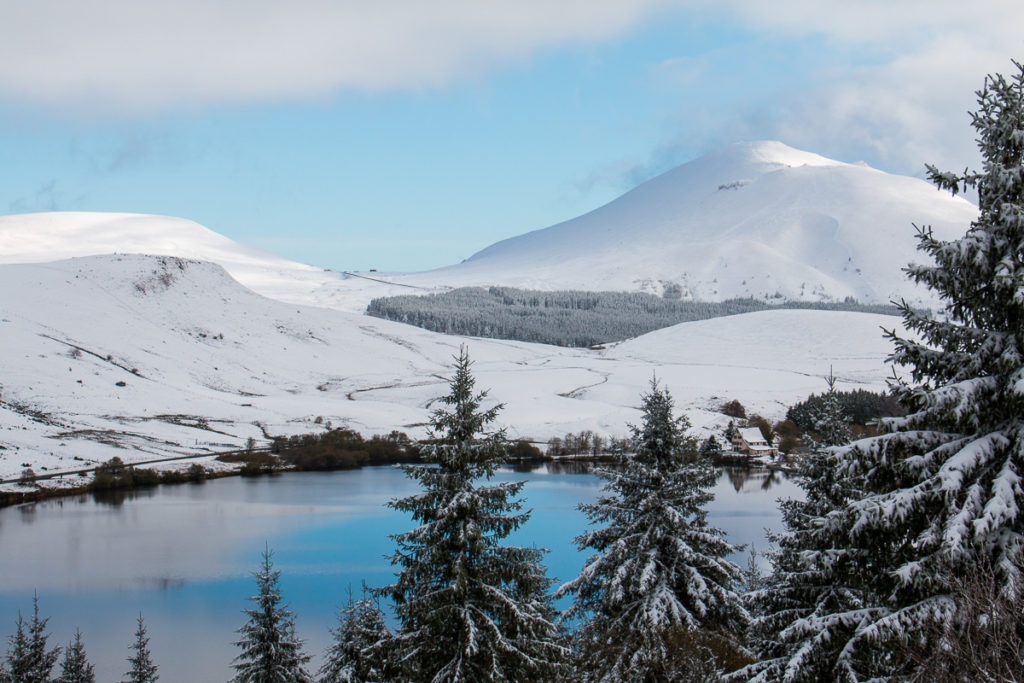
(831, 422)
(17, 653)
(658, 599)
(469, 609)
(361, 640)
(801, 610)
(943, 487)
(711, 448)
(142, 670)
(29, 658)
(75, 667)
(271, 652)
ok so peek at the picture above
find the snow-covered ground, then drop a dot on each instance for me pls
(146, 356)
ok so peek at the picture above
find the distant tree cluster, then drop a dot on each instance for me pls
(734, 408)
(586, 443)
(570, 318)
(116, 475)
(344, 449)
(522, 449)
(861, 406)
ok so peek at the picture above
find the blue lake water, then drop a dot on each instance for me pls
(182, 555)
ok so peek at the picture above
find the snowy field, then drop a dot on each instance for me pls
(147, 356)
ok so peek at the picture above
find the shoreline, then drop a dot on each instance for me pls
(151, 478)
(39, 493)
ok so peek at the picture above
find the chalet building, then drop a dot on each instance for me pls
(750, 441)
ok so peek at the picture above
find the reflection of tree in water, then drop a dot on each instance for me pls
(118, 497)
(739, 476)
(573, 466)
(567, 466)
(28, 512)
(771, 478)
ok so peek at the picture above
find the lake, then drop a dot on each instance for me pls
(183, 555)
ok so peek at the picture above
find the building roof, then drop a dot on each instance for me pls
(752, 435)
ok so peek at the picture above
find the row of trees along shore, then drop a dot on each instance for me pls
(901, 563)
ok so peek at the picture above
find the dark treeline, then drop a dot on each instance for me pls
(861, 406)
(344, 449)
(570, 318)
(335, 449)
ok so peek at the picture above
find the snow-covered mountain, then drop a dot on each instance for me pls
(147, 356)
(51, 236)
(162, 337)
(754, 219)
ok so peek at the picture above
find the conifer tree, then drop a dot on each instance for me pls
(271, 652)
(29, 659)
(75, 667)
(711, 448)
(17, 661)
(801, 610)
(942, 487)
(361, 640)
(469, 609)
(658, 598)
(142, 670)
(831, 421)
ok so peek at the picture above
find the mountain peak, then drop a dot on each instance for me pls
(753, 219)
(767, 152)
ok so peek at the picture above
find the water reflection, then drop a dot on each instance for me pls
(182, 554)
(565, 466)
(745, 477)
(118, 497)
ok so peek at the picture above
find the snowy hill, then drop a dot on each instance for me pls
(148, 356)
(754, 219)
(42, 237)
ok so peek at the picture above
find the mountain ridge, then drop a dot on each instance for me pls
(756, 219)
(789, 224)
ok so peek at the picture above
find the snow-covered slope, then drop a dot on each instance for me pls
(754, 219)
(146, 356)
(42, 237)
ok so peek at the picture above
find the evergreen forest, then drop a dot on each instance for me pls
(571, 318)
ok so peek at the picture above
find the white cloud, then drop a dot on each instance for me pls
(908, 112)
(910, 106)
(130, 56)
(149, 54)
(881, 21)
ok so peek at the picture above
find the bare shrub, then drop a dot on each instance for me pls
(984, 640)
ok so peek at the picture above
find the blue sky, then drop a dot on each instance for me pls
(357, 136)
